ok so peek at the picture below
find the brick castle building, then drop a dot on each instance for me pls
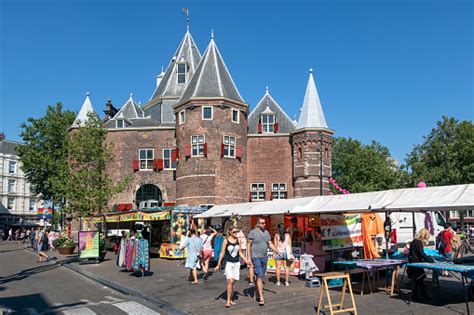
(196, 141)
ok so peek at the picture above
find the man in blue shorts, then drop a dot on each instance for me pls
(259, 241)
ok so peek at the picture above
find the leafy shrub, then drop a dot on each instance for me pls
(64, 241)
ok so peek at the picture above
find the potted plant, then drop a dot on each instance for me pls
(102, 248)
(64, 245)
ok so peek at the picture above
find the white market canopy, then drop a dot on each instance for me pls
(441, 198)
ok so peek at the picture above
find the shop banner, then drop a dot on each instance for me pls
(45, 213)
(341, 231)
(89, 244)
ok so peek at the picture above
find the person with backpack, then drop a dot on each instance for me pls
(443, 241)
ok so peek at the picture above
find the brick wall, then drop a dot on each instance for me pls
(269, 161)
(126, 144)
(212, 179)
(307, 162)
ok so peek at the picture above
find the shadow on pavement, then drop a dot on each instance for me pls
(27, 273)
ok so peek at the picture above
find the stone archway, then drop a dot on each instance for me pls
(148, 192)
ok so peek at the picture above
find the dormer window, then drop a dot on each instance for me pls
(120, 123)
(182, 72)
(268, 123)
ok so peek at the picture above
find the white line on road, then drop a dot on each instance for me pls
(134, 308)
(79, 311)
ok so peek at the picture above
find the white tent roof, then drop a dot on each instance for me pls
(457, 197)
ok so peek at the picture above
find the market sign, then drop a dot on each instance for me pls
(89, 244)
(137, 216)
(341, 231)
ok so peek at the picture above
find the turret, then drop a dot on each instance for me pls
(312, 145)
(211, 136)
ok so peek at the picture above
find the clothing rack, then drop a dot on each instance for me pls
(133, 255)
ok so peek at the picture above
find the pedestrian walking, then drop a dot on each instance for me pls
(282, 241)
(443, 244)
(33, 238)
(231, 252)
(259, 241)
(10, 234)
(194, 246)
(51, 238)
(207, 250)
(39, 240)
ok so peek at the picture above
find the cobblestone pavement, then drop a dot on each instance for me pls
(166, 286)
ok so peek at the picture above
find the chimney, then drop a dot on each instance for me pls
(110, 110)
(2, 136)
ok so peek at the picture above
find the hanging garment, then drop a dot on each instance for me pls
(219, 239)
(372, 224)
(121, 252)
(129, 255)
(141, 258)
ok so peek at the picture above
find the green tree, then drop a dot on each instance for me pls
(446, 156)
(44, 153)
(361, 168)
(89, 187)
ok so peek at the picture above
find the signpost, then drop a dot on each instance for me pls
(89, 246)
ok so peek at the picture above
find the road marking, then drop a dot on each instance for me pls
(134, 308)
(79, 311)
(112, 298)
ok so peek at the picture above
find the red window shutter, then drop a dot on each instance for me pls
(136, 165)
(260, 128)
(177, 153)
(205, 149)
(271, 196)
(187, 150)
(238, 152)
(174, 155)
(169, 204)
(128, 206)
(222, 149)
(159, 164)
(275, 127)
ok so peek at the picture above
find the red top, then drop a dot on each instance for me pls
(448, 236)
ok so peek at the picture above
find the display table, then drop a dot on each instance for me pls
(465, 271)
(369, 266)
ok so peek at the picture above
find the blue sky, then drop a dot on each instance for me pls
(385, 70)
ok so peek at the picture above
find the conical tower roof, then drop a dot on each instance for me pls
(188, 53)
(212, 78)
(82, 115)
(311, 115)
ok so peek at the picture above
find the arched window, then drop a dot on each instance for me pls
(148, 192)
(300, 153)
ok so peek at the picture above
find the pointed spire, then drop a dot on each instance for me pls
(311, 113)
(212, 34)
(86, 108)
(187, 53)
(212, 78)
(267, 90)
(130, 110)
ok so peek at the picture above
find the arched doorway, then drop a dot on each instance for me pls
(148, 192)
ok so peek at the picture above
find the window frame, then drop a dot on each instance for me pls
(229, 146)
(148, 161)
(11, 188)
(202, 112)
(181, 74)
(12, 200)
(10, 164)
(117, 123)
(266, 125)
(279, 192)
(182, 117)
(32, 204)
(258, 191)
(237, 121)
(167, 159)
(199, 145)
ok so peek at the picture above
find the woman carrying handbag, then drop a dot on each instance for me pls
(282, 241)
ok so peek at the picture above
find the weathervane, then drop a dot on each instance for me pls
(186, 11)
